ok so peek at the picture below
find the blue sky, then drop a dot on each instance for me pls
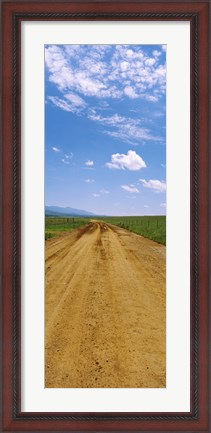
(105, 128)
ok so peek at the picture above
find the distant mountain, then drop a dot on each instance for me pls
(66, 211)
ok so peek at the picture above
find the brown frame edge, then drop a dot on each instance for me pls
(13, 420)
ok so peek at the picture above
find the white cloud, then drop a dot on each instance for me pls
(102, 191)
(54, 58)
(75, 99)
(106, 71)
(131, 161)
(89, 163)
(156, 185)
(156, 53)
(65, 161)
(61, 103)
(146, 205)
(109, 120)
(152, 98)
(150, 62)
(68, 156)
(130, 188)
(89, 180)
(124, 128)
(163, 204)
(65, 157)
(75, 104)
(129, 91)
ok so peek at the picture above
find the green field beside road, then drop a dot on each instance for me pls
(152, 227)
(55, 226)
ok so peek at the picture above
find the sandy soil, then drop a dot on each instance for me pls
(105, 310)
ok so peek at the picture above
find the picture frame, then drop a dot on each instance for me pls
(13, 419)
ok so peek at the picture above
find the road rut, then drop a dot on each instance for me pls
(105, 310)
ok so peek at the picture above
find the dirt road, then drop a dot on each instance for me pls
(105, 310)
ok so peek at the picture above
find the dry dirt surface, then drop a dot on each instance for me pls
(105, 310)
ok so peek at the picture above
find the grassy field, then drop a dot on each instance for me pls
(152, 227)
(55, 226)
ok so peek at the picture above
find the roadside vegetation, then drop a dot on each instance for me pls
(152, 227)
(56, 226)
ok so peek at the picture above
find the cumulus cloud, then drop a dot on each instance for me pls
(54, 58)
(156, 53)
(129, 91)
(130, 188)
(106, 71)
(131, 161)
(155, 185)
(96, 195)
(89, 163)
(56, 149)
(150, 61)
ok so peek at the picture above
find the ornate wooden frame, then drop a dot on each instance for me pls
(197, 12)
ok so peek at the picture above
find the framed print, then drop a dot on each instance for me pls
(105, 155)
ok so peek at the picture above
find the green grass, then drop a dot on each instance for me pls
(55, 226)
(152, 227)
